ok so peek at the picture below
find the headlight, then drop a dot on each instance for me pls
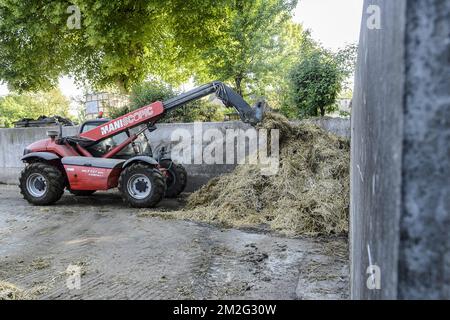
(26, 151)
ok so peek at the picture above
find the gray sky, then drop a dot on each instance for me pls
(334, 23)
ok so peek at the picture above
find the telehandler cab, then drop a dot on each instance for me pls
(116, 153)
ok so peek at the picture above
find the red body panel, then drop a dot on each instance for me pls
(130, 120)
(91, 178)
(49, 145)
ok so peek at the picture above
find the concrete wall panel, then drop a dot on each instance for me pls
(13, 142)
(400, 197)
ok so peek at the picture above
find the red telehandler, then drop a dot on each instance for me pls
(95, 159)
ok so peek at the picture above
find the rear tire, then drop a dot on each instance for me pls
(41, 183)
(177, 179)
(141, 185)
(82, 193)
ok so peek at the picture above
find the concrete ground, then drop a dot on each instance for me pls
(125, 254)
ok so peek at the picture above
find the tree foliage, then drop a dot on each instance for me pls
(318, 78)
(346, 59)
(275, 85)
(317, 82)
(14, 107)
(119, 42)
(200, 110)
(257, 34)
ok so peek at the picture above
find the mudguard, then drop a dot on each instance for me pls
(39, 155)
(145, 159)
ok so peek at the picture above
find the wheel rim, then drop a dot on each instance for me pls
(139, 186)
(36, 185)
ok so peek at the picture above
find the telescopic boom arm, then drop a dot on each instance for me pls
(227, 95)
(152, 112)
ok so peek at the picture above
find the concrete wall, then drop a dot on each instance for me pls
(424, 252)
(13, 142)
(338, 126)
(198, 174)
(400, 217)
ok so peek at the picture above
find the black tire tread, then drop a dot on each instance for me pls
(181, 175)
(56, 183)
(159, 186)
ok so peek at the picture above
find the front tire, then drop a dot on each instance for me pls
(141, 185)
(176, 179)
(41, 183)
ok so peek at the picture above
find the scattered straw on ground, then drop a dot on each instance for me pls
(40, 263)
(8, 291)
(308, 196)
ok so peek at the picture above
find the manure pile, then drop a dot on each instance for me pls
(308, 196)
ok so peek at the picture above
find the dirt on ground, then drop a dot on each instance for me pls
(125, 253)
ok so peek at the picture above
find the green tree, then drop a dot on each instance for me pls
(317, 79)
(119, 42)
(274, 85)
(14, 107)
(316, 83)
(199, 110)
(143, 94)
(346, 59)
(254, 33)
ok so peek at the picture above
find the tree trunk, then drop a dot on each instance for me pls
(312, 112)
(121, 85)
(322, 111)
(238, 85)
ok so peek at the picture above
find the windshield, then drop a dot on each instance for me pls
(90, 126)
(105, 145)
